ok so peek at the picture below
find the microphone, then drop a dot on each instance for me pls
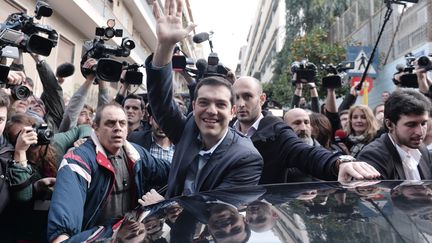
(65, 70)
(340, 136)
(400, 67)
(201, 37)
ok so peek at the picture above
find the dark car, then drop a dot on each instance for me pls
(368, 211)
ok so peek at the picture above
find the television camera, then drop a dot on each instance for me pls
(106, 68)
(334, 74)
(20, 30)
(204, 68)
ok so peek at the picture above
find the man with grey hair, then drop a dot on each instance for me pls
(298, 119)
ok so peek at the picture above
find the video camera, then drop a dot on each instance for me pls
(409, 78)
(106, 69)
(21, 31)
(204, 68)
(334, 73)
(132, 75)
(18, 92)
(305, 71)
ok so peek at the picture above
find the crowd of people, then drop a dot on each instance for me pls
(75, 178)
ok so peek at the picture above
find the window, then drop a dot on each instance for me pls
(66, 51)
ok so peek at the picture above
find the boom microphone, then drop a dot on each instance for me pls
(201, 37)
(65, 70)
(400, 67)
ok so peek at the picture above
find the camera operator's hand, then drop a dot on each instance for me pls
(25, 138)
(354, 91)
(169, 30)
(422, 78)
(311, 85)
(89, 65)
(16, 77)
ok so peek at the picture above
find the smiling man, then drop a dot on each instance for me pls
(209, 154)
(400, 153)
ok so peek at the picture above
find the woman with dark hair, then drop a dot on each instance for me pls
(32, 177)
(322, 131)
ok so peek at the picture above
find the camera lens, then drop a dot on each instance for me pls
(109, 33)
(109, 70)
(20, 92)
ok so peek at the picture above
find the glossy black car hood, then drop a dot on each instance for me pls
(386, 211)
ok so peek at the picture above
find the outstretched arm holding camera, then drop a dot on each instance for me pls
(52, 94)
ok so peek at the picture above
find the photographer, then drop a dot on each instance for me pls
(32, 177)
(296, 101)
(77, 102)
(50, 106)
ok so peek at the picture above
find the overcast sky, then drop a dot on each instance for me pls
(230, 21)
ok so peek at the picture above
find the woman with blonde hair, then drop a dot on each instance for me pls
(362, 128)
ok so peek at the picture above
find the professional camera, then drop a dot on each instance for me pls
(18, 92)
(132, 75)
(44, 134)
(211, 67)
(334, 73)
(106, 69)
(409, 78)
(21, 31)
(305, 71)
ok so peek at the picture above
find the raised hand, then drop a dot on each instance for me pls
(169, 30)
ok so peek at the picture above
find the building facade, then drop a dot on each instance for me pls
(265, 39)
(406, 32)
(76, 20)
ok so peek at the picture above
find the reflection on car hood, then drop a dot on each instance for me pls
(369, 211)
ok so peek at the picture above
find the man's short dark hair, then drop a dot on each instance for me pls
(376, 107)
(98, 115)
(215, 81)
(4, 99)
(406, 102)
(343, 112)
(137, 97)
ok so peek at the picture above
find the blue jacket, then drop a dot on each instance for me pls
(85, 179)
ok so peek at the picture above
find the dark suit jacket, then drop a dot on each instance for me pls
(383, 155)
(281, 149)
(235, 162)
(142, 138)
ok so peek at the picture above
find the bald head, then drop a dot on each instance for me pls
(299, 120)
(249, 99)
(253, 82)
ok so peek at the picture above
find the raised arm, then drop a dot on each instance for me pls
(169, 31)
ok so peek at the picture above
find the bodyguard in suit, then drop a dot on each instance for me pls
(281, 148)
(209, 155)
(400, 153)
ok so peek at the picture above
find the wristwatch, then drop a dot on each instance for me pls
(346, 158)
(342, 159)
